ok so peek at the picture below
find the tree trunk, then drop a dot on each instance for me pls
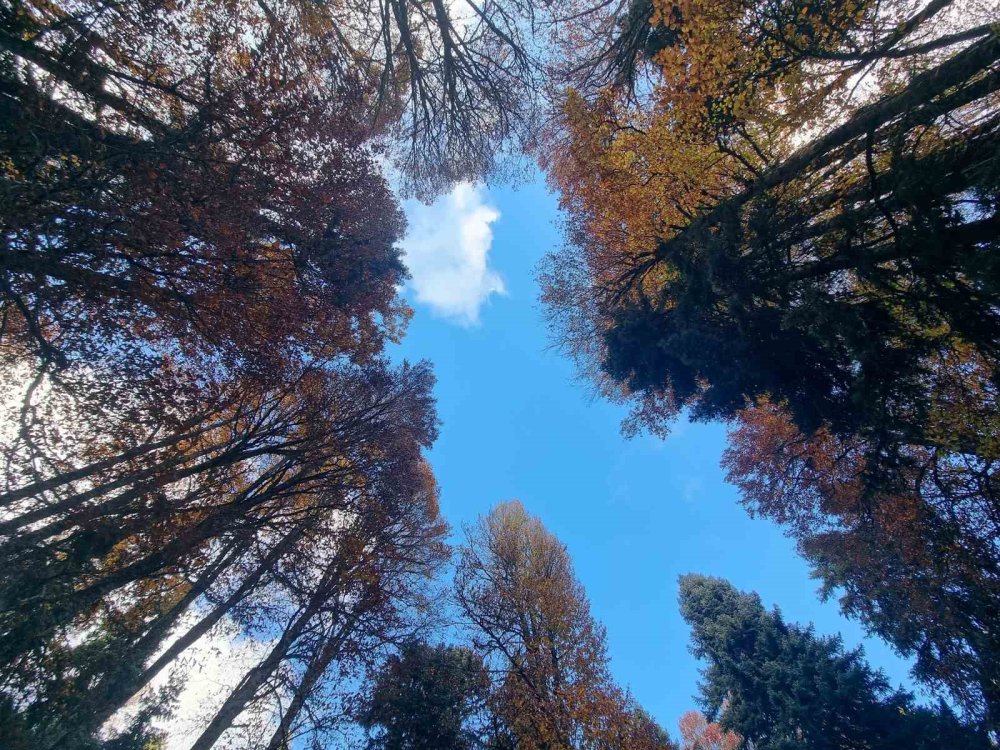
(256, 677)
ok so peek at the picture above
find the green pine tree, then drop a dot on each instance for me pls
(427, 698)
(783, 687)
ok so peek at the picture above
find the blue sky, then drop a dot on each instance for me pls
(516, 423)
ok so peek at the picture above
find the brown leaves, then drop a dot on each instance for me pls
(911, 553)
(772, 462)
(516, 588)
(199, 275)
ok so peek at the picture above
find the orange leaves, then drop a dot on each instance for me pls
(626, 179)
(765, 223)
(516, 587)
(773, 464)
(699, 65)
(697, 733)
(211, 144)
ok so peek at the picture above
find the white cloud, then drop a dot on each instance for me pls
(447, 250)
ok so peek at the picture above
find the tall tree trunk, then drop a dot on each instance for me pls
(258, 675)
(924, 87)
(317, 667)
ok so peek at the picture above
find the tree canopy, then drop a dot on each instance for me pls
(529, 614)
(782, 686)
(427, 698)
(781, 214)
(199, 276)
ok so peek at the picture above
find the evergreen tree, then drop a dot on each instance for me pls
(427, 698)
(916, 563)
(783, 687)
(792, 226)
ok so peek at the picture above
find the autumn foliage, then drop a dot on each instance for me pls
(529, 615)
(698, 733)
(199, 276)
(784, 216)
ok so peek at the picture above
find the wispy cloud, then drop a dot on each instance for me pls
(692, 489)
(447, 250)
